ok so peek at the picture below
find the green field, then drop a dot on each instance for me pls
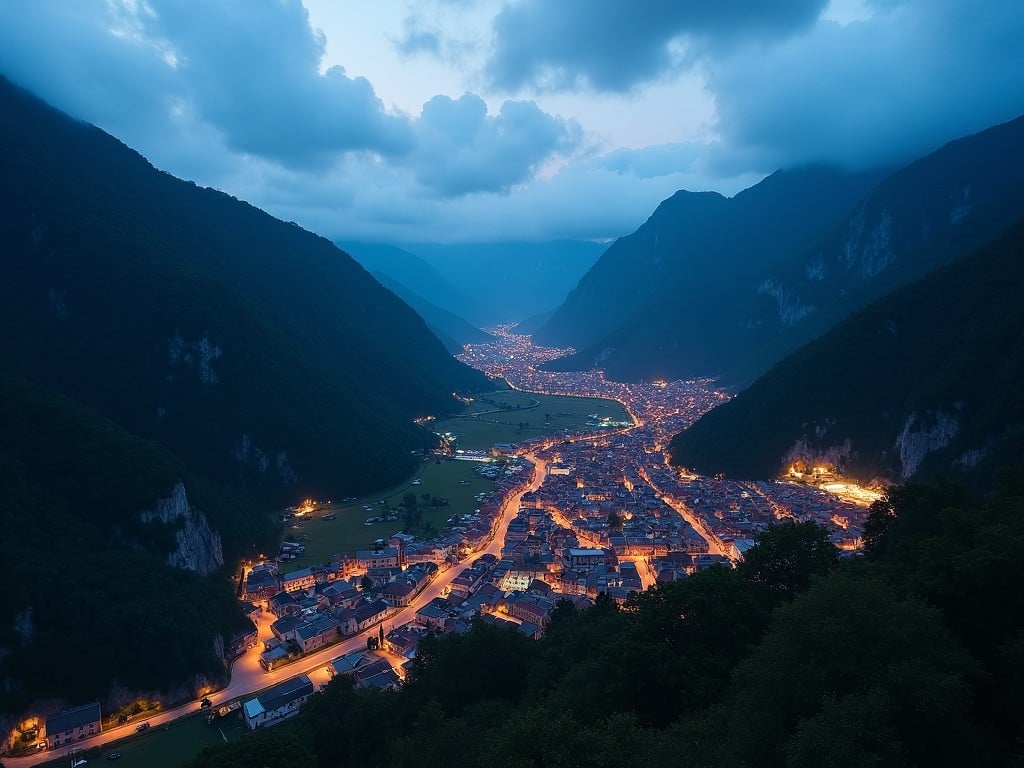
(493, 418)
(165, 746)
(348, 532)
(496, 418)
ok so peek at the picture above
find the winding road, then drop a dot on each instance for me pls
(248, 677)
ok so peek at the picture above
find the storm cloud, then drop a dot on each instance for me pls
(614, 46)
(875, 92)
(514, 120)
(461, 149)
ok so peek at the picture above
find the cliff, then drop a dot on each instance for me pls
(923, 382)
(198, 546)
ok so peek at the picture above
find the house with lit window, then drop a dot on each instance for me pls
(321, 631)
(278, 703)
(370, 559)
(70, 725)
(297, 581)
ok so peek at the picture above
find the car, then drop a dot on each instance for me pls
(205, 703)
(141, 727)
(114, 756)
(76, 763)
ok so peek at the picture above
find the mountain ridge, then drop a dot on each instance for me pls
(740, 314)
(260, 353)
(920, 383)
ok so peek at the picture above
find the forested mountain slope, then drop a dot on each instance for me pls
(258, 352)
(923, 382)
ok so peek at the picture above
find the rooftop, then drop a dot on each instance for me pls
(76, 717)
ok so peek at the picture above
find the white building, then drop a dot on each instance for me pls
(278, 703)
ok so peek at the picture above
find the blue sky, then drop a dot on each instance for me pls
(463, 120)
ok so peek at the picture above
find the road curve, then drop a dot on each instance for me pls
(247, 676)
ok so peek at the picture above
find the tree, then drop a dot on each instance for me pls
(881, 517)
(614, 521)
(787, 556)
(846, 648)
(366, 583)
(273, 748)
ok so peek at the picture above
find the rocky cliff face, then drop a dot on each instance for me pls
(922, 434)
(198, 544)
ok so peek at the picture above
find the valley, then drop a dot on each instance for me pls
(511, 385)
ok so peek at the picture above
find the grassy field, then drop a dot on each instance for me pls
(347, 532)
(492, 418)
(496, 417)
(169, 746)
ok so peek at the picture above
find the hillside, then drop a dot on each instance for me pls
(451, 329)
(726, 287)
(923, 382)
(84, 568)
(673, 298)
(259, 353)
(511, 281)
(408, 269)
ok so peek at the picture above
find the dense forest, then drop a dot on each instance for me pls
(82, 570)
(925, 380)
(258, 352)
(167, 341)
(909, 655)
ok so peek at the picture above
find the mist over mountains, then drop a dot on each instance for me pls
(484, 283)
(727, 286)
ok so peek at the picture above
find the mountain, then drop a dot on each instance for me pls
(451, 329)
(511, 281)
(107, 539)
(923, 382)
(673, 298)
(259, 353)
(407, 269)
(726, 287)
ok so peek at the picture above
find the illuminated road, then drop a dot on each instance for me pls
(248, 677)
(714, 545)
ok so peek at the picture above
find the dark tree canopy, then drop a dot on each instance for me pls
(787, 556)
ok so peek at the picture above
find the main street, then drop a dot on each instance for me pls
(248, 677)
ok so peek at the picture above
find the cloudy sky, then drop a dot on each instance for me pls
(469, 120)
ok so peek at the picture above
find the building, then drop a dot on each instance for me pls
(377, 674)
(274, 656)
(283, 603)
(398, 593)
(405, 639)
(284, 628)
(371, 559)
(436, 614)
(73, 724)
(347, 664)
(585, 558)
(297, 581)
(321, 631)
(243, 641)
(368, 614)
(261, 583)
(278, 702)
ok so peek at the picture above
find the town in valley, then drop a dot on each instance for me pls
(571, 517)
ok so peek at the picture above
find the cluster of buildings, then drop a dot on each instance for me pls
(676, 522)
(317, 607)
(733, 512)
(611, 517)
